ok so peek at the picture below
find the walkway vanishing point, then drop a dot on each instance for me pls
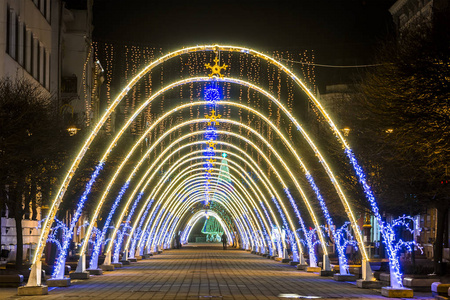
(205, 271)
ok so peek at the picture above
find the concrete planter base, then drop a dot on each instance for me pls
(440, 289)
(385, 277)
(95, 271)
(369, 284)
(293, 263)
(32, 290)
(11, 280)
(419, 284)
(326, 273)
(58, 282)
(125, 262)
(80, 275)
(339, 277)
(117, 265)
(302, 267)
(313, 269)
(138, 257)
(397, 293)
(107, 267)
(286, 260)
(132, 259)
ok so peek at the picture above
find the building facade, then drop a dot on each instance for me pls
(49, 43)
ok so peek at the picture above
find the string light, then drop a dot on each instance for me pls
(147, 232)
(62, 191)
(58, 271)
(139, 229)
(95, 253)
(126, 226)
(343, 238)
(386, 230)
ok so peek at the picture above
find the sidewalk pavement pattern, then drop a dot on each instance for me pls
(201, 272)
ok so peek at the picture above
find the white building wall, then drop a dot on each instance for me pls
(26, 37)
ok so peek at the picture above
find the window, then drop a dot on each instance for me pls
(46, 70)
(37, 62)
(41, 64)
(47, 10)
(16, 37)
(28, 49)
(20, 43)
(8, 29)
(12, 34)
(34, 56)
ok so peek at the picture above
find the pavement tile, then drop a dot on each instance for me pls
(209, 273)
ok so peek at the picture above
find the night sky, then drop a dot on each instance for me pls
(339, 31)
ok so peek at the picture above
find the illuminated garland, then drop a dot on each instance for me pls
(93, 264)
(58, 271)
(138, 231)
(295, 254)
(184, 161)
(121, 233)
(147, 232)
(184, 235)
(52, 237)
(211, 96)
(159, 234)
(343, 265)
(169, 233)
(312, 257)
(264, 230)
(310, 241)
(404, 222)
(57, 203)
(343, 238)
(386, 230)
(270, 221)
(125, 228)
(152, 235)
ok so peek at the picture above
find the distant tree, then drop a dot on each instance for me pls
(403, 124)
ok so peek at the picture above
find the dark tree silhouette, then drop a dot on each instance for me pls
(402, 126)
(28, 150)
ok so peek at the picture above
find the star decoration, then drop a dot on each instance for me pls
(213, 117)
(211, 144)
(216, 68)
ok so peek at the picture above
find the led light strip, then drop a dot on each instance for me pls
(201, 179)
(198, 198)
(67, 179)
(183, 160)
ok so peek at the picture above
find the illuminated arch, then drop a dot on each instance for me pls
(196, 179)
(199, 194)
(198, 215)
(64, 186)
(246, 227)
(260, 115)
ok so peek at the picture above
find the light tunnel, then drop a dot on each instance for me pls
(202, 213)
(263, 217)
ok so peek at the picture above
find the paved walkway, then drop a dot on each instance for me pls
(206, 273)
